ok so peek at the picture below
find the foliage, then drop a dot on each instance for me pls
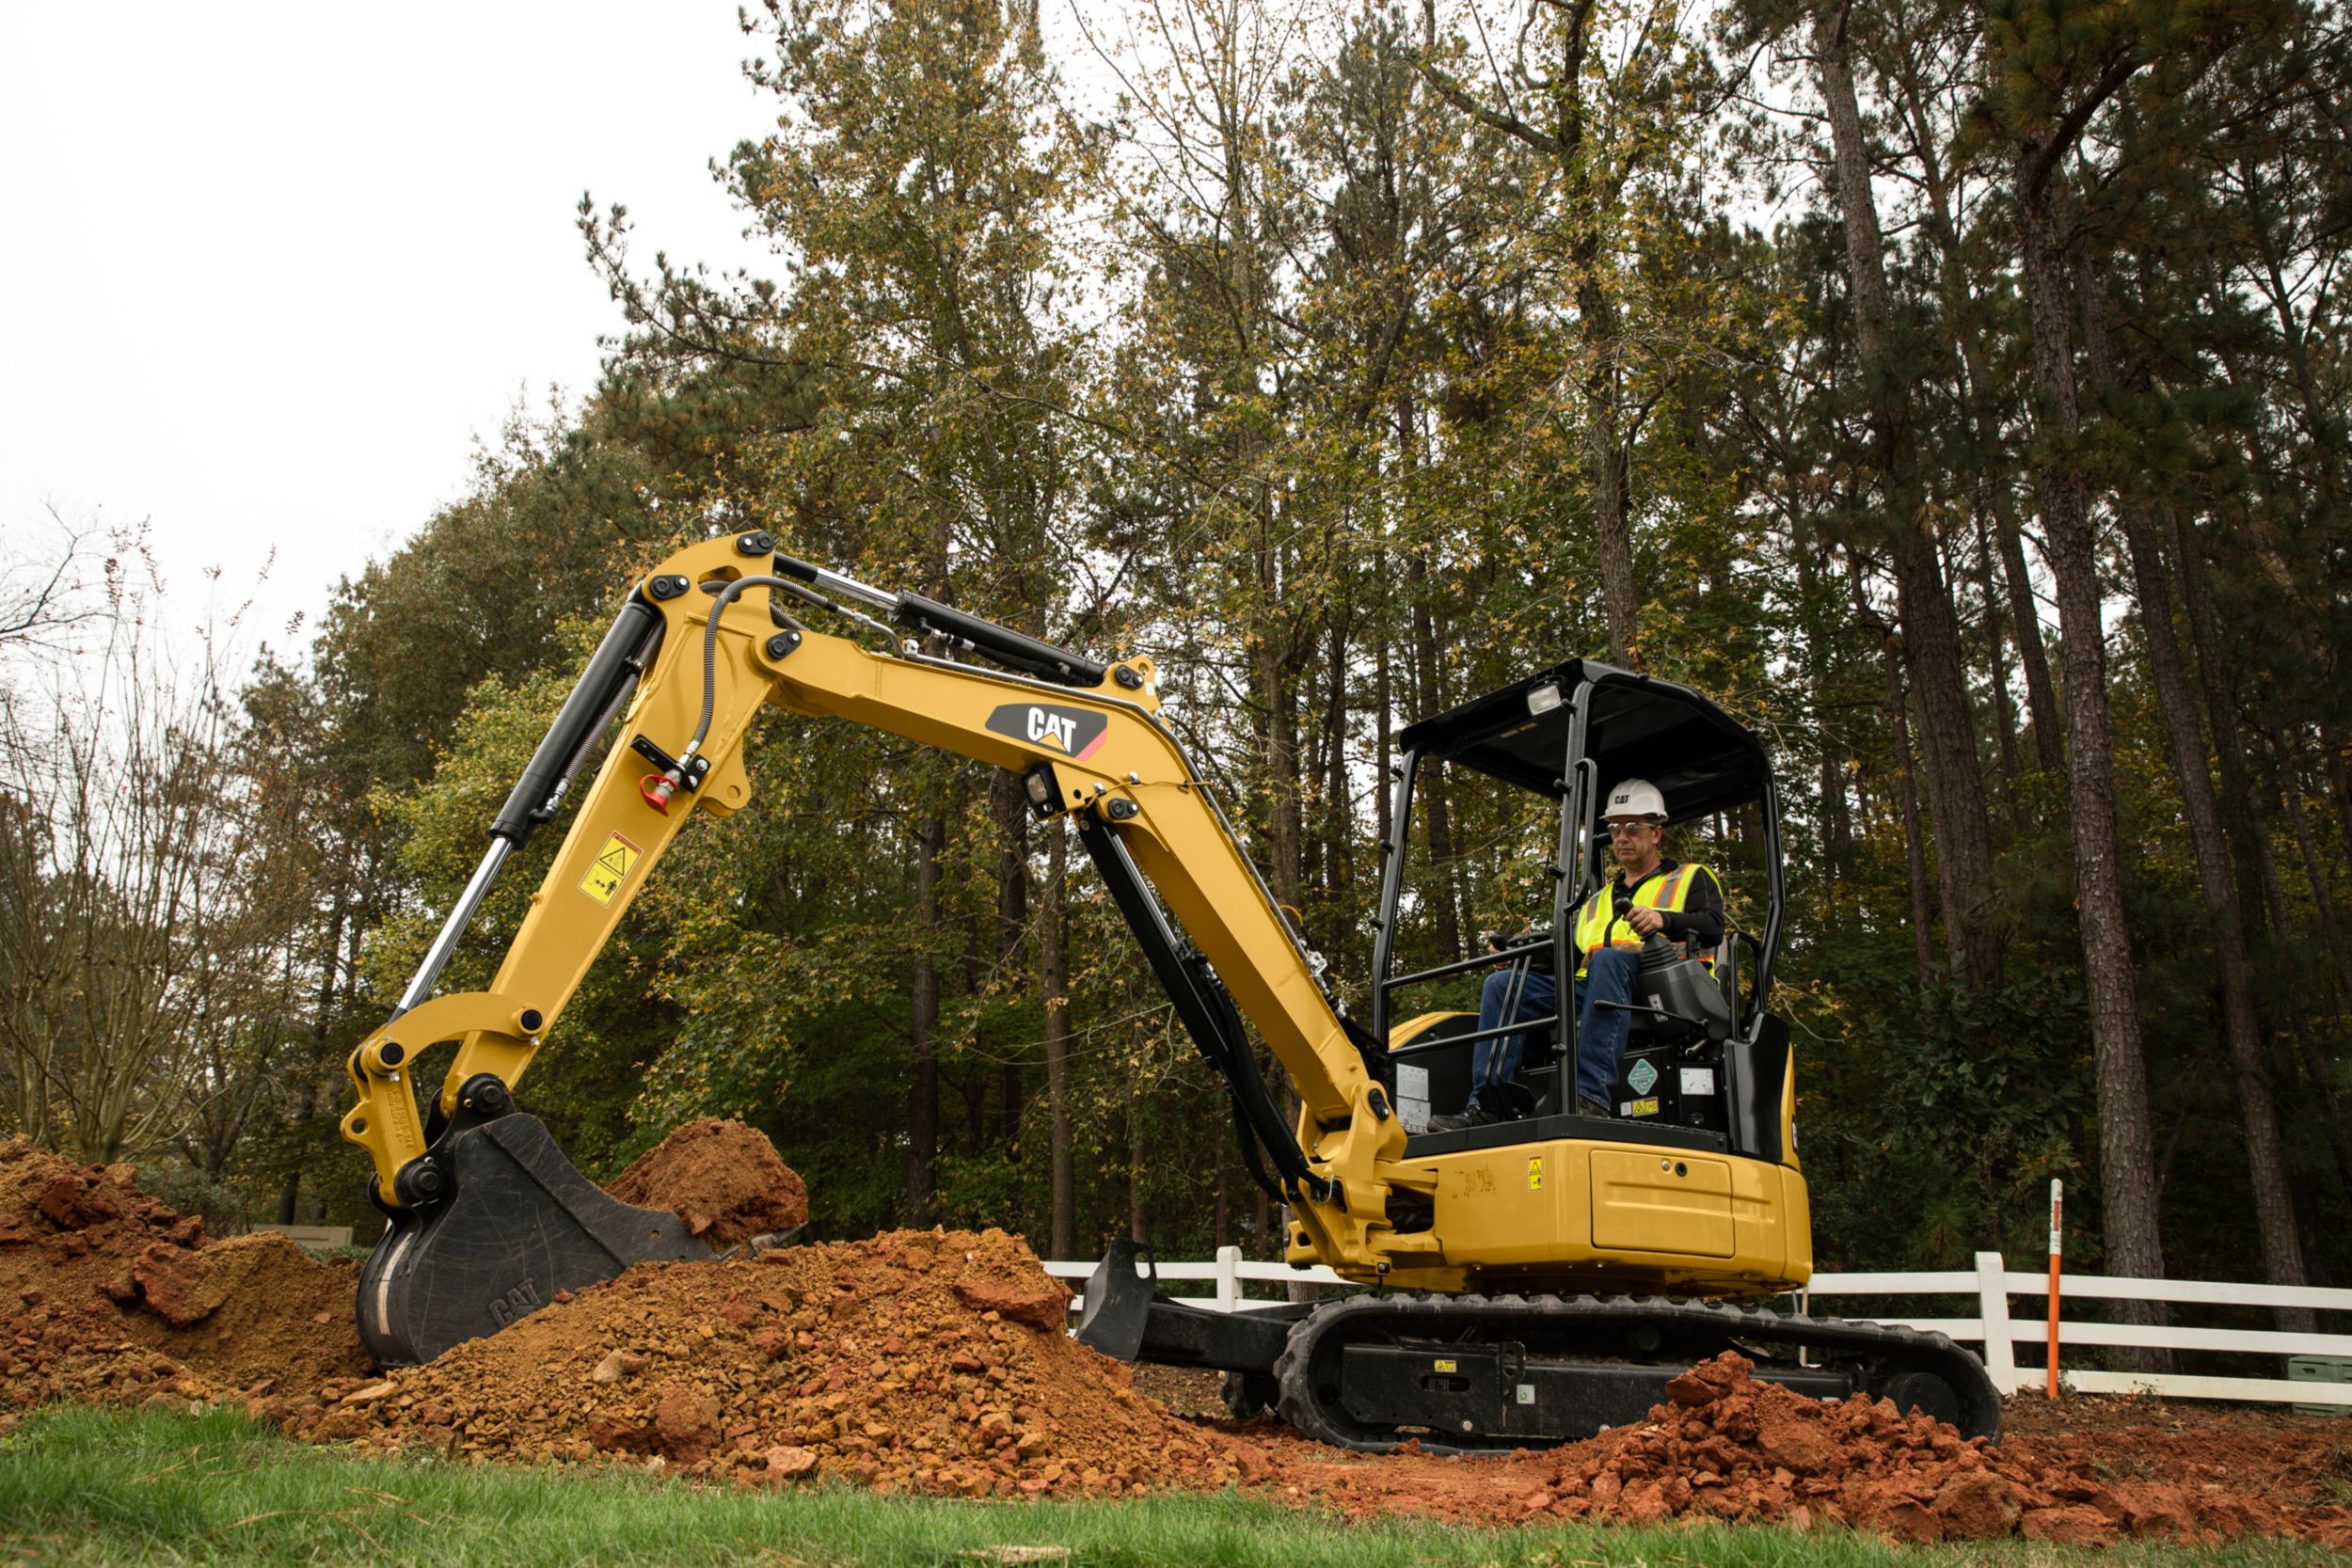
(1352, 361)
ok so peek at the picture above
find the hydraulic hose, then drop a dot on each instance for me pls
(710, 654)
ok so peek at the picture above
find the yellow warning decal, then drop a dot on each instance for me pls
(1534, 1173)
(1641, 1108)
(611, 869)
(1443, 1367)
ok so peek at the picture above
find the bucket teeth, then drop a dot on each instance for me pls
(522, 1225)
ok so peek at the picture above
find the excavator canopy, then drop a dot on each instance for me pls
(1636, 727)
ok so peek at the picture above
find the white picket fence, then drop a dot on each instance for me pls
(1995, 1328)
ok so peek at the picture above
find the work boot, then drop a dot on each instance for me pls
(1592, 1108)
(1475, 1115)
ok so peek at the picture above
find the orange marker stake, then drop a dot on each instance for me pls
(2057, 1215)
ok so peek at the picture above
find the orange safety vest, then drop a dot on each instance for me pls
(1661, 890)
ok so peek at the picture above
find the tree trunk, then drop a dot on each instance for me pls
(2049, 730)
(1931, 640)
(931, 839)
(1338, 867)
(1054, 963)
(1831, 770)
(2248, 835)
(1009, 804)
(1604, 457)
(2135, 1241)
(2318, 1075)
(2274, 1200)
(1968, 336)
(2004, 703)
(322, 1024)
(1279, 747)
(1897, 706)
(2315, 869)
(1915, 849)
(1136, 1228)
(1432, 785)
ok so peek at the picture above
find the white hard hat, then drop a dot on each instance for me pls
(1635, 798)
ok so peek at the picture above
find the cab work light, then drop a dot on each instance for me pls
(1044, 790)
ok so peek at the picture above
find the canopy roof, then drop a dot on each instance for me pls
(1699, 757)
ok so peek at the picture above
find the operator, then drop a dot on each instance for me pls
(1649, 894)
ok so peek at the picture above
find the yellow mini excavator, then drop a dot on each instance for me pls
(1525, 1281)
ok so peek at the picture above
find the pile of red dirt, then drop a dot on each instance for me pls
(108, 1293)
(1729, 1447)
(1726, 1446)
(922, 1361)
(2300, 1464)
(938, 1362)
(724, 1179)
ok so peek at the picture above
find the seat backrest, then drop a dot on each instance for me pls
(1727, 970)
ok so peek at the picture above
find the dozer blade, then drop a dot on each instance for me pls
(1119, 1300)
(519, 1225)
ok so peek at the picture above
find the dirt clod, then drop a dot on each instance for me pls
(787, 1462)
(176, 1283)
(724, 1179)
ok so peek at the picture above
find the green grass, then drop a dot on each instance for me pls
(88, 1486)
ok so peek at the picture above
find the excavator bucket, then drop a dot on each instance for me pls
(518, 1225)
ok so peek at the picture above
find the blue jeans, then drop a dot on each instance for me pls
(1601, 1032)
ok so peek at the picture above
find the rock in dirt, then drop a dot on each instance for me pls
(724, 1179)
(72, 1200)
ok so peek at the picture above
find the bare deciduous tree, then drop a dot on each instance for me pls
(127, 953)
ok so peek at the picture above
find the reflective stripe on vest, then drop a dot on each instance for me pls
(1667, 891)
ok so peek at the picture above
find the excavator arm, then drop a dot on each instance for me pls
(701, 644)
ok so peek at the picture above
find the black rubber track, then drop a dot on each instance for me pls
(1874, 1351)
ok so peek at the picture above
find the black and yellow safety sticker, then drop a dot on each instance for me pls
(611, 869)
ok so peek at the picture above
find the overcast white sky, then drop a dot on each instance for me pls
(270, 269)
